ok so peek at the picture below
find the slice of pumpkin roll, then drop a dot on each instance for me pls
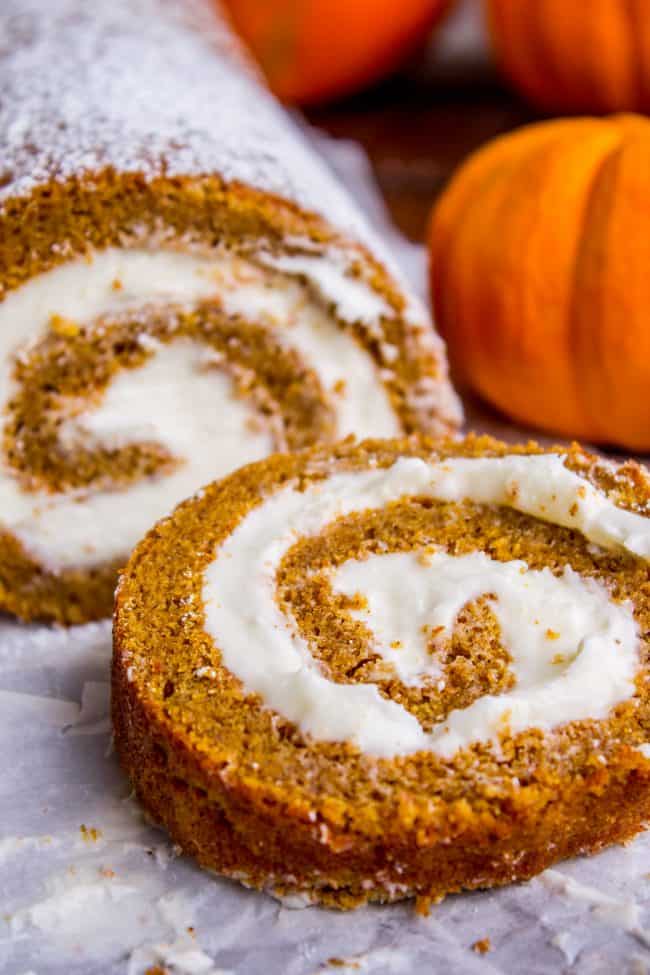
(392, 669)
(184, 288)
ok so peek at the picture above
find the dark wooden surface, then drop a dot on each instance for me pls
(416, 130)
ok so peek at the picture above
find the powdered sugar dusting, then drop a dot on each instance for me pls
(161, 87)
(149, 86)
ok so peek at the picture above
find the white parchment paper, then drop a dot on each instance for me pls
(88, 888)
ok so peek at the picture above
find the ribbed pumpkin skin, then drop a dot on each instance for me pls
(575, 55)
(540, 275)
(313, 51)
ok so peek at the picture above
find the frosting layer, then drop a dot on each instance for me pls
(179, 399)
(574, 651)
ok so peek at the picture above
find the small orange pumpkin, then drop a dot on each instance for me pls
(575, 56)
(315, 50)
(540, 272)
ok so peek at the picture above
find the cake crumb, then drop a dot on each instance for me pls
(63, 326)
(89, 833)
(423, 905)
(482, 946)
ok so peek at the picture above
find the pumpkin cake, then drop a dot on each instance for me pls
(391, 669)
(184, 288)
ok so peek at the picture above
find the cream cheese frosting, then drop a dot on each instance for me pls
(173, 400)
(585, 671)
(80, 528)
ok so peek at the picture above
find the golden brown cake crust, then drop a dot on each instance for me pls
(242, 790)
(150, 128)
(69, 597)
(109, 209)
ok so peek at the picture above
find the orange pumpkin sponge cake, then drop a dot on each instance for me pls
(183, 288)
(390, 669)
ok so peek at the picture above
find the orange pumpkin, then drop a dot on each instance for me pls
(590, 56)
(314, 50)
(540, 270)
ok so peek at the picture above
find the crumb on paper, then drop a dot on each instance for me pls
(423, 905)
(90, 833)
(482, 946)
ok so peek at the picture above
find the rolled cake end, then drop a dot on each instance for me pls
(394, 669)
(184, 288)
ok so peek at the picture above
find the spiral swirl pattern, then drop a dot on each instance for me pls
(378, 670)
(135, 377)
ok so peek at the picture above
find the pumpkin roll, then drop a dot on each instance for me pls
(391, 669)
(184, 288)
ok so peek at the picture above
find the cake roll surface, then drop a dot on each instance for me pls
(184, 288)
(393, 669)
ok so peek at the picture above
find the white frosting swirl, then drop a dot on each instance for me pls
(172, 400)
(574, 650)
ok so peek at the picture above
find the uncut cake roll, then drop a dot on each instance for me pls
(392, 669)
(183, 288)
